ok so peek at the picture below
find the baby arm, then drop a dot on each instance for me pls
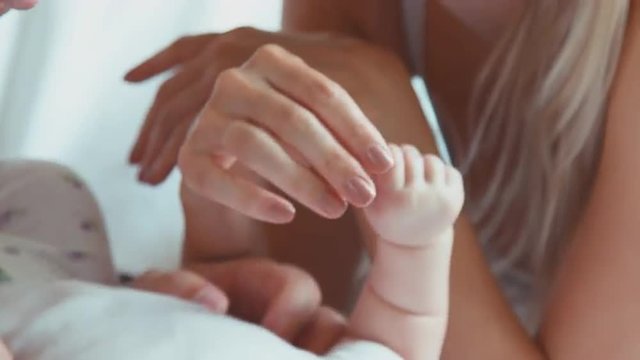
(404, 303)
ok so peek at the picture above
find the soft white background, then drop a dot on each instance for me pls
(62, 99)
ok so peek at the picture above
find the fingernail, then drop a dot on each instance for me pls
(380, 157)
(213, 299)
(360, 191)
(281, 211)
(332, 207)
(143, 175)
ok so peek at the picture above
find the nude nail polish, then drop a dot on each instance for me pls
(360, 192)
(281, 211)
(380, 157)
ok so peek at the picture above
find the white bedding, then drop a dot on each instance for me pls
(78, 321)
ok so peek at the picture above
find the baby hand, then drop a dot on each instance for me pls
(418, 199)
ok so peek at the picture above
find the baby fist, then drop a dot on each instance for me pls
(418, 199)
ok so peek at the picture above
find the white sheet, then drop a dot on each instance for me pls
(78, 321)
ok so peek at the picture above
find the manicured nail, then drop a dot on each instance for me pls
(380, 157)
(360, 192)
(213, 299)
(332, 207)
(281, 211)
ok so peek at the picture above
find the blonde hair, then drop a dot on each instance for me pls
(537, 121)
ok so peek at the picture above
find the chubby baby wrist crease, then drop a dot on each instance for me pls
(443, 238)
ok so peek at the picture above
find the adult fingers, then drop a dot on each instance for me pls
(208, 176)
(299, 128)
(184, 285)
(325, 330)
(328, 100)
(178, 52)
(168, 91)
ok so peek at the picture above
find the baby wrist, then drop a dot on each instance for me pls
(414, 278)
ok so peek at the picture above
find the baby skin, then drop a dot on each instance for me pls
(404, 303)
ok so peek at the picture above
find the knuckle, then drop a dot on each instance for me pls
(293, 116)
(221, 45)
(270, 52)
(361, 132)
(231, 83)
(324, 91)
(230, 78)
(241, 32)
(234, 37)
(240, 138)
(165, 89)
(333, 162)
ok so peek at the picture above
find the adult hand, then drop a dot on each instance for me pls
(184, 285)
(375, 78)
(199, 61)
(282, 298)
(6, 5)
(294, 127)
